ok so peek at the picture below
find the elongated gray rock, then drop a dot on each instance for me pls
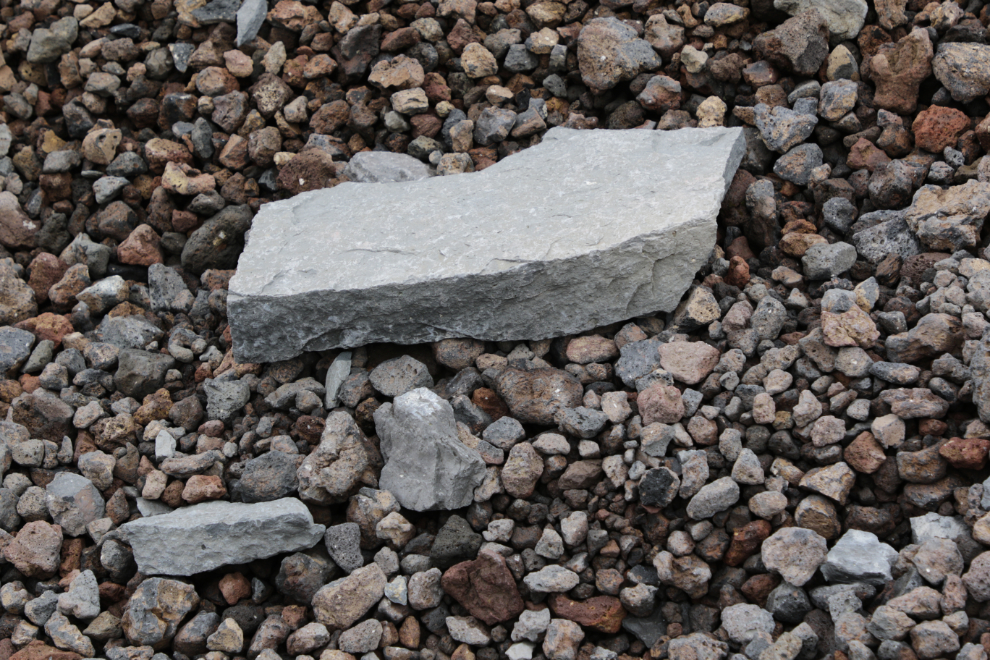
(426, 466)
(584, 229)
(202, 537)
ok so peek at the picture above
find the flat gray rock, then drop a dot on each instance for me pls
(584, 229)
(204, 536)
(385, 167)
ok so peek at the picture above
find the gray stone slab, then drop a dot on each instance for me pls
(205, 536)
(584, 229)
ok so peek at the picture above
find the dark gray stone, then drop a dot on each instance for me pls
(455, 542)
(658, 487)
(140, 373)
(268, 477)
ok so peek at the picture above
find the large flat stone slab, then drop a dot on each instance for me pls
(584, 229)
(204, 536)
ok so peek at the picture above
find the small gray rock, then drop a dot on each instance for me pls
(400, 375)
(344, 545)
(859, 557)
(426, 466)
(824, 260)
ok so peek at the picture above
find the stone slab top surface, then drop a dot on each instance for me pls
(575, 196)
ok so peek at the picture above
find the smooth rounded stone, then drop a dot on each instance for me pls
(426, 466)
(354, 293)
(344, 545)
(73, 502)
(552, 579)
(794, 553)
(743, 621)
(341, 603)
(385, 167)
(717, 496)
(205, 536)
(767, 504)
(859, 557)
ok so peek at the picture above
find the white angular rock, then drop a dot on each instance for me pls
(204, 536)
(586, 228)
(426, 466)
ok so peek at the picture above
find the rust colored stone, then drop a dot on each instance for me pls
(746, 540)
(966, 453)
(602, 613)
(485, 587)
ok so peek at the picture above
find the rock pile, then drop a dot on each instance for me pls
(792, 464)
